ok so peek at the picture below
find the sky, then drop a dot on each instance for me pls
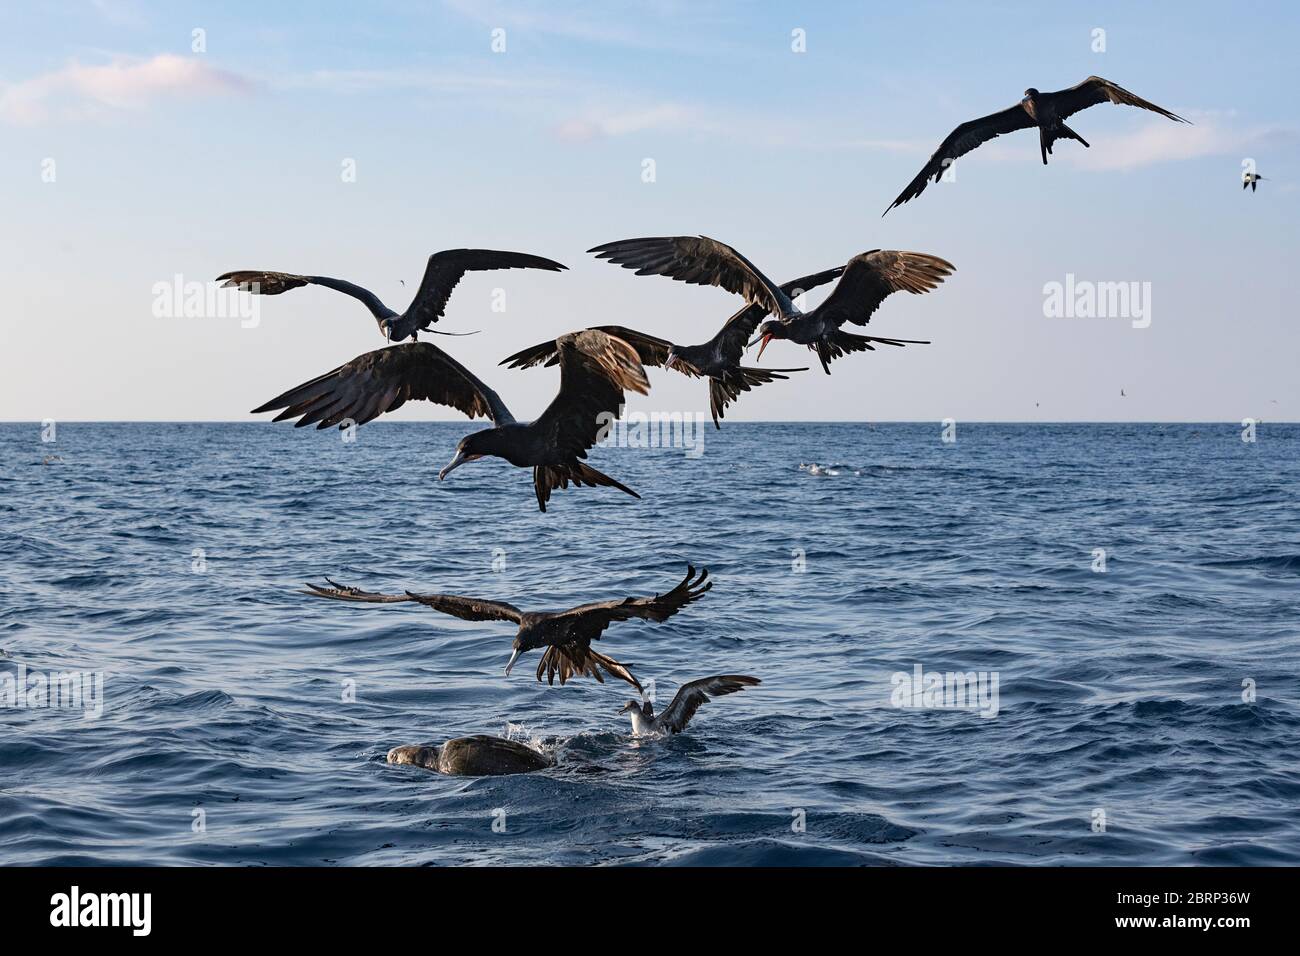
(353, 140)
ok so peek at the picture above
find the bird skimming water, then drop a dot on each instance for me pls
(566, 635)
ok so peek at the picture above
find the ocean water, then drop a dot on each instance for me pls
(1145, 714)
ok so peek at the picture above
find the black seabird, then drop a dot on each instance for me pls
(1047, 111)
(444, 270)
(864, 283)
(595, 368)
(718, 359)
(566, 635)
(688, 700)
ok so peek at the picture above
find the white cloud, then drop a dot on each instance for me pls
(597, 123)
(123, 84)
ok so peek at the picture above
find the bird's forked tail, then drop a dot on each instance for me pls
(546, 478)
(1046, 137)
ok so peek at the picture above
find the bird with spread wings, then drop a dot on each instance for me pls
(595, 369)
(864, 283)
(1047, 111)
(567, 635)
(443, 271)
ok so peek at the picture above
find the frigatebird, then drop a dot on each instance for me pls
(688, 700)
(1251, 180)
(595, 368)
(566, 635)
(444, 270)
(865, 282)
(1047, 111)
(718, 359)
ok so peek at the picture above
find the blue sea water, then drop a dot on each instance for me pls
(168, 556)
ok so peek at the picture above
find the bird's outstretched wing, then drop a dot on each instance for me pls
(738, 329)
(701, 261)
(466, 608)
(381, 381)
(962, 140)
(445, 269)
(1096, 90)
(691, 695)
(651, 350)
(590, 620)
(274, 283)
(595, 369)
(871, 277)
(569, 660)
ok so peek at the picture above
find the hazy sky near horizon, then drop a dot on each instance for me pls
(129, 159)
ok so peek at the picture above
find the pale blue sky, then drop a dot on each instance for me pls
(172, 162)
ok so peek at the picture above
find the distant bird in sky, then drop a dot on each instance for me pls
(688, 700)
(595, 369)
(566, 635)
(718, 359)
(444, 270)
(1121, 393)
(1047, 111)
(1251, 180)
(865, 282)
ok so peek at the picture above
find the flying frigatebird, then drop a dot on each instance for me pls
(595, 368)
(444, 270)
(718, 359)
(566, 635)
(1047, 111)
(1251, 180)
(865, 282)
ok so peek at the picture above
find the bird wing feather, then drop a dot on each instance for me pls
(1095, 90)
(595, 369)
(466, 608)
(691, 695)
(651, 350)
(962, 140)
(275, 283)
(446, 269)
(701, 261)
(589, 621)
(872, 277)
(382, 380)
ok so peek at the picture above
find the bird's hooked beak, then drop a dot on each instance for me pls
(626, 707)
(763, 339)
(460, 459)
(513, 657)
(670, 361)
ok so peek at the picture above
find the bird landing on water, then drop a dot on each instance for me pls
(687, 701)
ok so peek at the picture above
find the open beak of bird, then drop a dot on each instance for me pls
(761, 341)
(456, 462)
(626, 707)
(513, 657)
